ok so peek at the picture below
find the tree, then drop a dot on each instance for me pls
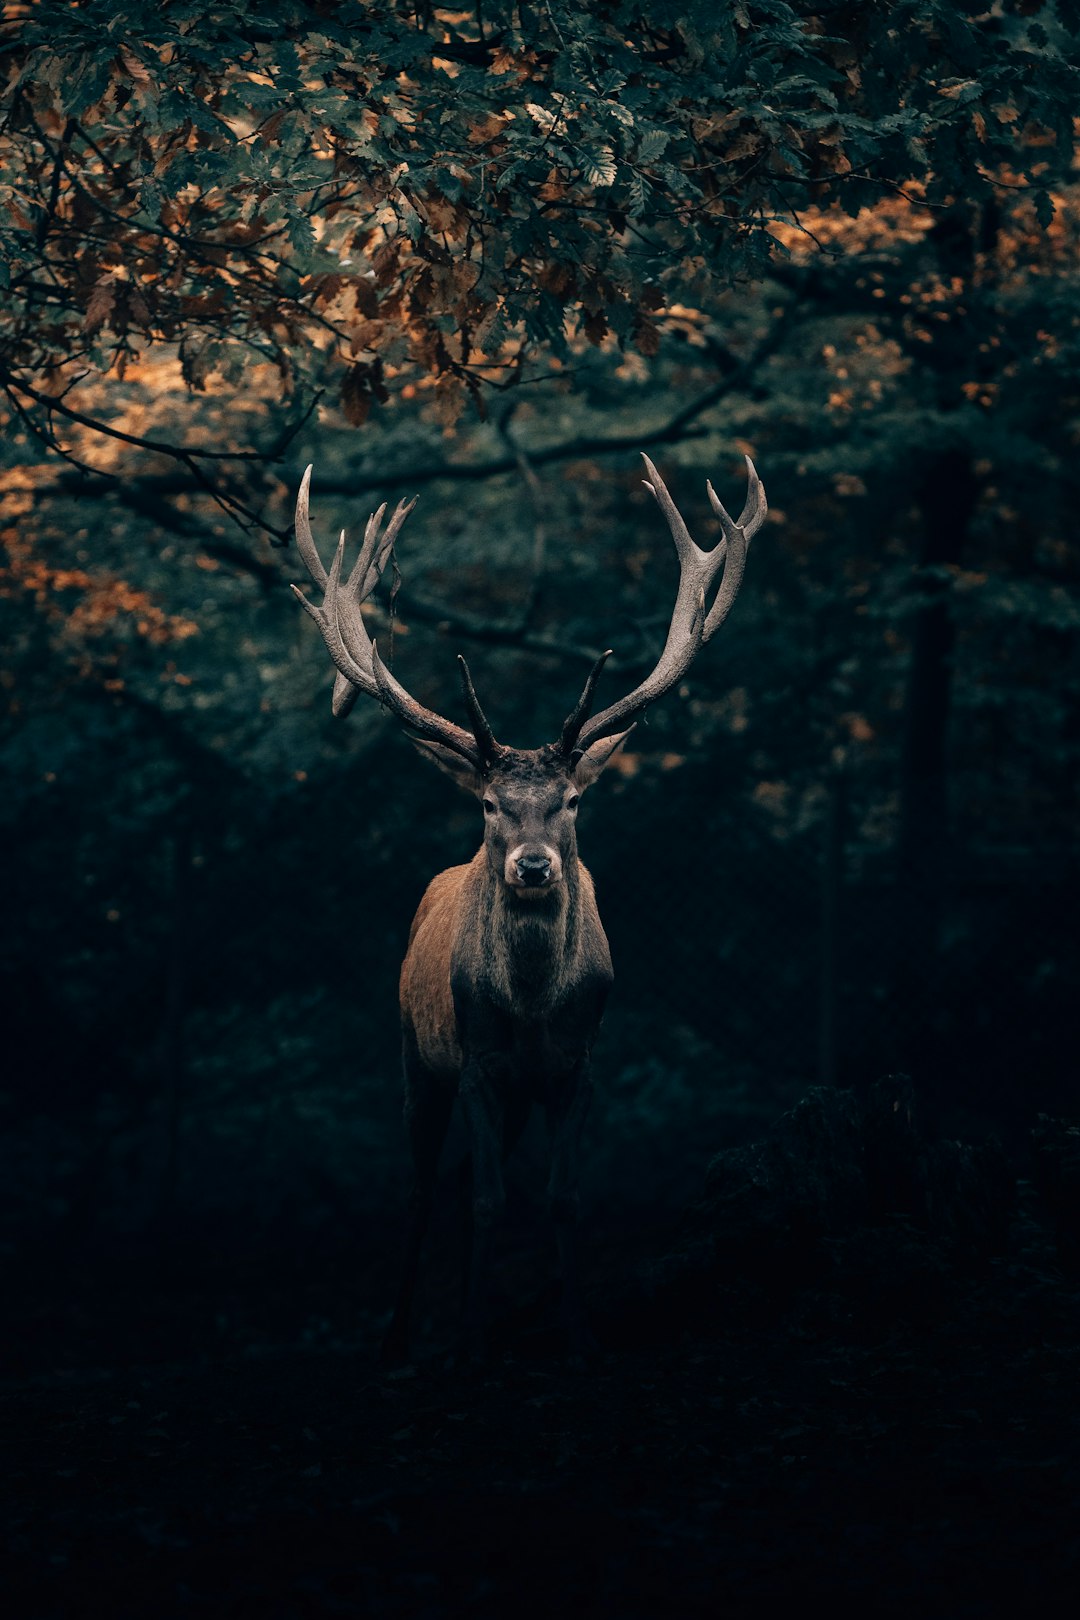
(376, 201)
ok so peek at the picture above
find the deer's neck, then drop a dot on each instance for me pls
(531, 948)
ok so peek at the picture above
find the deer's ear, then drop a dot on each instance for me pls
(464, 774)
(587, 766)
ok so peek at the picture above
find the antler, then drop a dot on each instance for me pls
(354, 654)
(691, 624)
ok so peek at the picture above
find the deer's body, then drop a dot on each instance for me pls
(502, 991)
(521, 964)
(507, 969)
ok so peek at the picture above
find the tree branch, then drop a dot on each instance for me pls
(678, 427)
(505, 633)
(179, 452)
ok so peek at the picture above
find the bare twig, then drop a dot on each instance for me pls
(509, 633)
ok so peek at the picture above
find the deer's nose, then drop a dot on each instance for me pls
(533, 870)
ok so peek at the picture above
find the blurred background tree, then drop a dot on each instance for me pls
(488, 254)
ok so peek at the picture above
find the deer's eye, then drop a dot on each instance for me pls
(573, 801)
(490, 807)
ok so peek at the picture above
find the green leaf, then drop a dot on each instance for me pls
(651, 145)
(637, 193)
(601, 168)
(301, 234)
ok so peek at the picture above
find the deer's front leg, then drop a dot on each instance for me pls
(484, 1079)
(567, 1113)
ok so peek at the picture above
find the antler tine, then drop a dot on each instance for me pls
(366, 573)
(361, 581)
(659, 491)
(343, 697)
(339, 617)
(734, 568)
(305, 542)
(325, 617)
(359, 667)
(357, 582)
(376, 551)
(754, 512)
(756, 507)
(580, 712)
(351, 676)
(690, 623)
(485, 737)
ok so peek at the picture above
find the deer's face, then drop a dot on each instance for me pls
(530, 811)
(530, 800)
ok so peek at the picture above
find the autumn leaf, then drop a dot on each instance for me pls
(356, 395)
(367, 335)
(647, 336)
(100, 306)
(135, 69)
(449, 402)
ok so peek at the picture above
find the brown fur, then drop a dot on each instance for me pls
(464, 914)
(427, 1006)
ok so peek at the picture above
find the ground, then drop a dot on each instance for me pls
(893, 1449)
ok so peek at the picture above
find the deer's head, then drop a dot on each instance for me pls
(530, 799)
(529, 796)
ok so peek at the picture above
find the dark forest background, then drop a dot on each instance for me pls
(487, 255)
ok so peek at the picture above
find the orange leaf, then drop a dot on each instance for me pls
(647, 336)
(356, 395)
(135, 69)
(101, 305)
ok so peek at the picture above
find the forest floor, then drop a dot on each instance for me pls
(891, 1451)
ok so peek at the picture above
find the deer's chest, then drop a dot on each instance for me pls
(534, 1051)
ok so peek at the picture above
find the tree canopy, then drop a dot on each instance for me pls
(363, 202)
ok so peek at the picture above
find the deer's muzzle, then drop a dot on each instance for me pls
(532, 869)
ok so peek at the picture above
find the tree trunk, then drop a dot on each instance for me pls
(947, 499)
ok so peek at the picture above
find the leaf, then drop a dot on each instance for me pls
(1044, 208)
(301, 234)
(135, 69)
(356, 395)
(542, 116)
(601, 169)
(651, 145)
(637, 195)
(745, 144)
(414, 225)
(647, 336)
(101, 305)
(449, 402)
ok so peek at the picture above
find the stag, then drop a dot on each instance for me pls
(507, 969)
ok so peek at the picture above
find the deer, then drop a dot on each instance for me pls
(507, 969)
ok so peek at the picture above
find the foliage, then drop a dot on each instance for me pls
(376, 198)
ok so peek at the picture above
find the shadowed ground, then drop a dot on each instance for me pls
(881, 1418)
